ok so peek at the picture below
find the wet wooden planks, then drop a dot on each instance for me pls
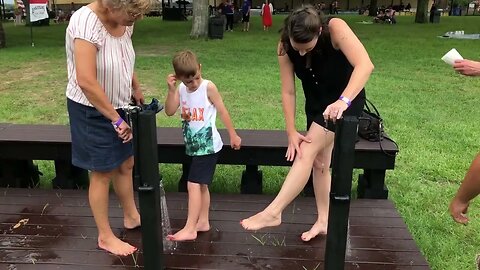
(61, 234)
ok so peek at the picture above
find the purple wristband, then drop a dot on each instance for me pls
(118, 123)
(346, 100)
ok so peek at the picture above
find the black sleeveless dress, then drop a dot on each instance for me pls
(324, 77)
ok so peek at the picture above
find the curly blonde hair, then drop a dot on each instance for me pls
(131, 6)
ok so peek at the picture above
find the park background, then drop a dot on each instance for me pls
(428, 109)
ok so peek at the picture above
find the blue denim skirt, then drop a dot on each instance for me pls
(95, 143)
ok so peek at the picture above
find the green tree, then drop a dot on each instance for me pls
(422, 11)
(372, 10)
(200, 19)
(2, 36)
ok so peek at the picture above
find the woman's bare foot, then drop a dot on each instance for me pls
(317, 228)
(203, 227)
(261, 220)
(183, 235)
(116, 246)
(131, 222)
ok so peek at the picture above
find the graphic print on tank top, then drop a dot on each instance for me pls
(198, 122)
(200, 142)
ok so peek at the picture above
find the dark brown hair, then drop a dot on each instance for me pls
(185, 64)
(302, 26)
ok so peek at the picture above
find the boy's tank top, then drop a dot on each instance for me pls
(198, 121)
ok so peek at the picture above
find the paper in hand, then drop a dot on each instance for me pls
(451, 56)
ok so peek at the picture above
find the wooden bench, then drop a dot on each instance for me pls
(20, 142)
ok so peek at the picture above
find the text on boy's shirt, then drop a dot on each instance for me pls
(192, 114)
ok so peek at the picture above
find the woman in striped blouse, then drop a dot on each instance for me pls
(101, 80)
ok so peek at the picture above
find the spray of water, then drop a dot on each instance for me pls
(167, 229)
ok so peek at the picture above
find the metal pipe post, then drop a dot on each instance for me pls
(340, 192)
(147, 174)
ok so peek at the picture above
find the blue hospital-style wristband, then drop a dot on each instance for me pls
(118, 123)
(346, 100)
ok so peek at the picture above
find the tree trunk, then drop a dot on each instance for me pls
(2, 36)
(2, 10)
(422, 10)
(372, 10)
(200, 19)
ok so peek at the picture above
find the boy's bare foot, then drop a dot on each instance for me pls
(203, 227)
(116, 246)
(261, 220)
(317, 228)
(183, 235)
(131, 222)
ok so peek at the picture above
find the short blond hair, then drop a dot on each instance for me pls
(131, 6)
(185, 64)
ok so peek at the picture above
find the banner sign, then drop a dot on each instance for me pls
(38, 10)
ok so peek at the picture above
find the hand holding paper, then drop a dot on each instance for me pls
(451, 56)
(467, 67)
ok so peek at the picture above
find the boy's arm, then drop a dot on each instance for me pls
(173, 97)
(216, 99)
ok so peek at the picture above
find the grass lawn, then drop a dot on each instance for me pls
(428, 109)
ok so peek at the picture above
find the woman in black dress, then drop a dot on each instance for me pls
(333, 67)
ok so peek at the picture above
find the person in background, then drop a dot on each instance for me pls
(470, 187)
(101, 81)
(18, 16)
(390, 16)
(267, 11)
(229, 12)
(433, 9)
(221, 12)
(334, 7)
(408, 7)
(72, 8)
(246, 15)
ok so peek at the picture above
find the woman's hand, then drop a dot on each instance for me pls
(295, 139)
(138, 97)
(124, 132)
(335, 110)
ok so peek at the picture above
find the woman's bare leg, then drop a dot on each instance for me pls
(98, 198)
(321, 185)
(296, 179)
(123, 185)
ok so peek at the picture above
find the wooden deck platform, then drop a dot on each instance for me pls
(58, 232)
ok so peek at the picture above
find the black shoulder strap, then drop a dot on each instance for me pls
(381, 131)
(373, 106)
